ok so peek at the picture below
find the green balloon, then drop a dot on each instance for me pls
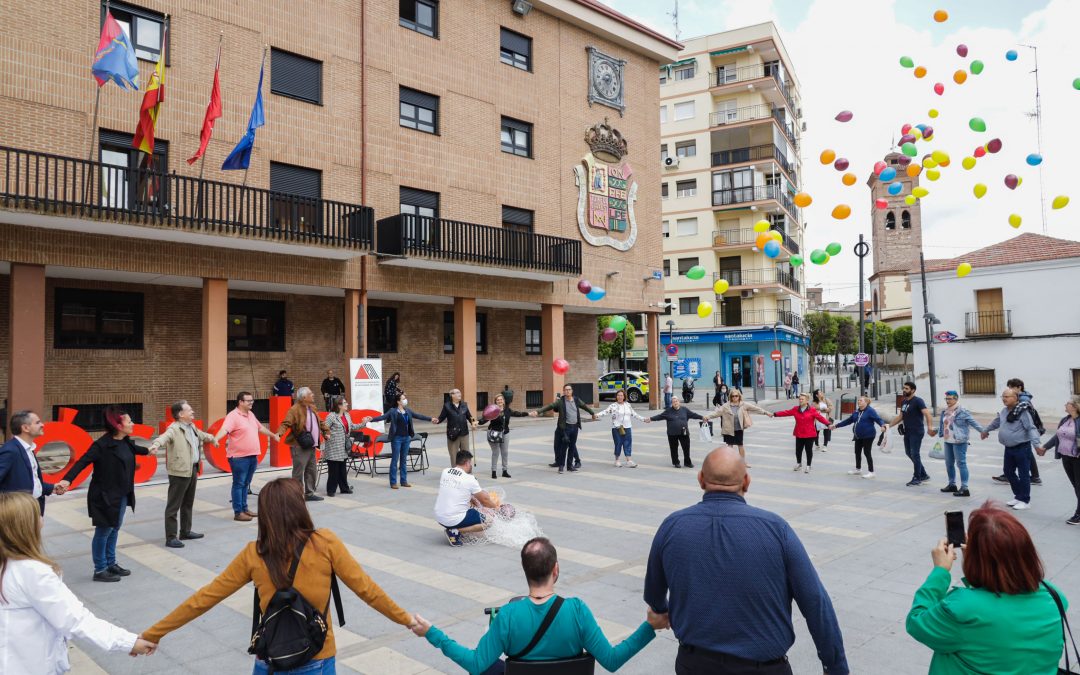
(976, 67)
(906, 62)
(618, 323)
(909, 149)
(977, 124)
(696, 272)
(833, 249)
(818, 257)
(796, 260)
(1076, 83)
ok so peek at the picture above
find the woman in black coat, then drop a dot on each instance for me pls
(678, 419)
(112, 489)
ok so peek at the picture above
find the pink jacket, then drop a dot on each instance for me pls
(804, 420)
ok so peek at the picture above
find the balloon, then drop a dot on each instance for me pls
(903, 160)
(1014, 220)
(772, 249)
(994, 146)
(844, 116)
(909, 149)
(833, 249)
(796, 260)
(596, 293)
(980, 151)
(887, 174)
(881, 203)
(963, 269)
(1060, 202)
(609, 334)
(704, 309)
(762, 240)
(1076, 83)
(968, 163)
(929, 162)
(933, 174)
(1034, 159)
(920, 72)
(933, 113)
(827, 156)
(939, 89)
(895, 188)
(927, 133)
(818, 257)
(909, 200)
(959, 77)
(961, 50)
(906, 128)
(946, 162)
(879, 166)
(977, 124)
(584, 287)
(920, 192)
(617, 323)
(560, 366)
(802, 200)
(976, 67)
(491, 412)
(721, 286)
(696, 272)
(940, 156)
(1011, 55)
(841, 211)
(913, 170)
(841, 164)
(906, 62)
(907, 138)
(1011, 181)
(917, 134)
(762, 226)
(979, 190)
(941, 16)
(777, 235)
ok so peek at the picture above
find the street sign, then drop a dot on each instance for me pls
(672, 350)
(944, 336)
(862, 359)
(681, 369)
(672, 359)
(657, 275)
(776, 355)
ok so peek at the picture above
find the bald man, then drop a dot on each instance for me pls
(730, 605)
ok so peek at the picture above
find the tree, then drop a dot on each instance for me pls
(846, 342)
(821, 329)
(903, 342)
(613, 349)
(884, 337)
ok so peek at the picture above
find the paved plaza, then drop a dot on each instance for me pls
(870, 541)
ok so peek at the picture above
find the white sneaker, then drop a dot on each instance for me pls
(868, 474)
(1012, 502)
(618, 463)
(806, 469)
(854, 472)
(797, 467)
(631, 464)
(1020, 506)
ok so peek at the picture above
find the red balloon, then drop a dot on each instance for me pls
(881, 203)
(844, 116)
(980, 151)
(961, 50)
(584, 287)
(994, 145)
(491, 412)
(939, 89)
(1011, 181)
(906, 128)
(560, 366)
(609, 334)
(840, 164)
(879, 166)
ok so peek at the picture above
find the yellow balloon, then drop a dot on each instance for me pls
(933, 113)
(909, 200)
(1014, 220)
(979, 190)
(929, 163)
(1019, 181)
(802, 200)
(968, 163)
(963, 269)
(762, 226)
(941, 157)
(720, 287)
(1060, 202)
(933, 174)
(913, 170)
(704, 309)
(920, 191)
(827, 156)
(778, 236)
(848, 179)
(841, 211)
(916, 133)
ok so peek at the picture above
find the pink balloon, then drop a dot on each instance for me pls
(879, 166)
(491, 412)
(994, 145)
(980, 151)
(927, 132)
(560, 366)
(961, 50)
(844, 116)
(907, 138)
(840, 164)
(881, 203)
(584, 287)
(1011, 181)
(609, 334)
(906, 128)
(939, 89)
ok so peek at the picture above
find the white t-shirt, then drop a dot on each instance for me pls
(455, 489)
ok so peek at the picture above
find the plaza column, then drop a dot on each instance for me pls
(652, 332)
(465, 349)
(214, 348)
(552, 346)
(26, 317)
(353, 302)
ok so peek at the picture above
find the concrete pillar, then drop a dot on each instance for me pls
(215, 350)
(352, 323)
(552, 346)
(656, 385)
(363, 324)
(465, 349)
(26, 318)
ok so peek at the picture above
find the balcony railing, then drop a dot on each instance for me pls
(758, 277)
(723, 238)
(53, 184)
(757, 317)
(753, 112)
(754, 153)
(755, 193)
(988, 324)
(451, 240)
(725, 76)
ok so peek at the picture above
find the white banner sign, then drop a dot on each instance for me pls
(366, 386)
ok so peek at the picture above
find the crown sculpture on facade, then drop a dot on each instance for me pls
(606, 142)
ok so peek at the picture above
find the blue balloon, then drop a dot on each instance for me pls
(1034, 159)
(596, 293)
(772, 249)
(895, 188)
(887, 174)
(1010, 55)
(921, 127)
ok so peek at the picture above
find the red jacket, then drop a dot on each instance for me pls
(804, 420)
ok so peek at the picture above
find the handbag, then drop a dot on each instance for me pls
(495, 436)
(1065, 630)
(305, 440)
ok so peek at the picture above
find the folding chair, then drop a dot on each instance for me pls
(418, 456)
(386, 454)
(360, 449)
(321, 468)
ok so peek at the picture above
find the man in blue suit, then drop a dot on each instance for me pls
(19, 469)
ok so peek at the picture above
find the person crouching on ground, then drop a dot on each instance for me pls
(678, 419)
(459, 496)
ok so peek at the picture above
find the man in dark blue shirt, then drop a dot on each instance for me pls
(726, 573)
(916, 418)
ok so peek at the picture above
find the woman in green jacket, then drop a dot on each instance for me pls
(1004, 621)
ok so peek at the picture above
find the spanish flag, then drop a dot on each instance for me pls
(151, 104)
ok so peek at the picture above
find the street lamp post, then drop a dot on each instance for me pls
(671, 341)
(862, 249)
(776, 364)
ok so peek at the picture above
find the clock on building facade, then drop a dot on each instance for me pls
(606, 80)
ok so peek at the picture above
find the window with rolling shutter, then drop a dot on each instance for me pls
(515, 49)
(517, 219)
(296, 200)
(422, 203)
(516, 137)
(295, 76)
(417, 110)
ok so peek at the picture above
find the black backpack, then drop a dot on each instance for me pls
(291, 632)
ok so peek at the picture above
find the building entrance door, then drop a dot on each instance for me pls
(742, 371)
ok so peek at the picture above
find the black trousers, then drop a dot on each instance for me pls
(336, 476)
(566, 446)
(180, 500)
(1072, 471)
(828, 437)
(1034, 464)
(806, 444)
(691, 661)
(673, 444)
(864, 446)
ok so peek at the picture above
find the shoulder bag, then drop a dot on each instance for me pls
(1066, 630)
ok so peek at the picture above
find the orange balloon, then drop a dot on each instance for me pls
(945, 163)
(913, 170)
(959, 76)
(941, 16)
(762, 239)
(848, 179)
(827, 156)
(841, 211)
(802, 200)
(920, 72)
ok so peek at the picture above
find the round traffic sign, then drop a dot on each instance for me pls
(862, 359)
(776, 355)
(672, 350)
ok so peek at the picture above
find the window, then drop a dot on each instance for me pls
(143, 28)
(481, 334)
(726, 74)
(667, 267)
(1075, 382)
(295, 197)
(256, 325)
(686, 188)
(130, 179)
(684, 110)
(417, 110)
(534, 398)
(685, 72)
(977, 382)
(515, 49)
(448, 333)
(532, 334)
(665, 229)
(688, 305)
(663, 190)
(421, 16)
(686, 149)
(97, 319)
(519, 220)
(91, 416)
(663, 75)
(663, 114)
(685, 264)
(295, 76)
(667, 306)
(686, 227)
(637, 321)
(516, 137)
(382, 329)
(727, 111)
(663, 152)
(905, 220)
(425, 206)
(890, 221)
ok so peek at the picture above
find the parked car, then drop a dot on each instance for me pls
(637, 385)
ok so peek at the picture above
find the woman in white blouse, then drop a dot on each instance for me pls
(622, 419)
(38, 613)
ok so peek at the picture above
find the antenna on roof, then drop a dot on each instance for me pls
(1038, 132)
(675, 19)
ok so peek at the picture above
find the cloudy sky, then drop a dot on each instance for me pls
(846, 55)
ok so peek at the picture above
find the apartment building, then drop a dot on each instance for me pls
(432, 181)
(729, 148)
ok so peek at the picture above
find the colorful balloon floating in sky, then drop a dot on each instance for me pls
(848, 179)
(977, 124)
(584, 287)
(980, 151)
(941, 16)
(994, 146)
(772, 249)
(721, 286)
(963, 269)
(920, 72)
(1060, 202)
(939, 89)
(704, 309)
(887, 174)
(979, 190)
(977, 67)
(881, 203)
(827, 156)
(762, 226)
(617, 323)
(844, 116)
(696, 272)
(840, 212)
(909, 149)
(833, 249)
(796, 261)
(1034, 159)
(596, 293)
(762, 241)
(968, 163)
(895, 188)
(609, 334)
(1011, 181)
(802, 200)
(906, 62)
(819, 257)
(932, 113)
(879, 166)
(1014, 219)
(959, 77)
(1011, 55)
(560, 366)
(841, 164)
(961, 50)
(491, 412)
(909, 200)
(1076, 83)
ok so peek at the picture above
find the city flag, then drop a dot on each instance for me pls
(151, 106)
(115, 58)
(240, 157)
(213, 111)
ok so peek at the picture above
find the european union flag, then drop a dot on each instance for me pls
(240, 157)
(115, 58)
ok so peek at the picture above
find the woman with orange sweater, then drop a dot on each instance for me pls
(284, 526)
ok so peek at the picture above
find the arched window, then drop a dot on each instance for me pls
(890, 220)
(875, 305)
(905, 220)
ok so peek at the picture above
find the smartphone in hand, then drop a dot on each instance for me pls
(954, 527)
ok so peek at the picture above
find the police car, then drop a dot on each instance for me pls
(637, 388)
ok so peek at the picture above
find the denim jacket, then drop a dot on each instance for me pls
(961, 426)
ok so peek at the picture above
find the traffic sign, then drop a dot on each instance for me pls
(862, 359)
(776, 355)
(672, 350)
(672, 359)
(944, 336)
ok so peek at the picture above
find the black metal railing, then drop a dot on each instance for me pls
(76, 187)
(410, 235)
(757, 317)
(990, 323)
(755, 193)
(741, 237)
(754, 153)
(724, 76)
(758, 277)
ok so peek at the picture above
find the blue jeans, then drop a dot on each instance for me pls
(1018, 470)
(325, 666)
(399, 458)
(795, 389)
(243, 470)
(667, 399)
(103, 546)
(956, 457)
(623, 443)
(912, 447)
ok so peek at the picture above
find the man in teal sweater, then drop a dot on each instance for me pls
(572, 630)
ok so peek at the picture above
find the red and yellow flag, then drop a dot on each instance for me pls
(151, 106)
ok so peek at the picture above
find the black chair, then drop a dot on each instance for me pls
(357, 460)
(418, 455)
(384, 455)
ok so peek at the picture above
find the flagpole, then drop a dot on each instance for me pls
(217, 65)
(93, 132)
(265, 48)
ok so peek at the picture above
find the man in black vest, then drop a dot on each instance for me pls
(459, 419)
